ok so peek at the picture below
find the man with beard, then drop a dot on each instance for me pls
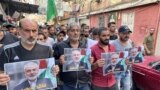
(100, 82)
(122, 44)
(112, 29)
(64, 28)
(25, 49)
(52, 32)
(149, 43)
(12, 29)
(85, 38)
(75, 80)
(60, 36)
(32, 82)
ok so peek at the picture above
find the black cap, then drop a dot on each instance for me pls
(8, 25)
(124, 29)
(62, 33)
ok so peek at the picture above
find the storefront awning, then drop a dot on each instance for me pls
(20, 7)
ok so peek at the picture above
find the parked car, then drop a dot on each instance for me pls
(146, 75)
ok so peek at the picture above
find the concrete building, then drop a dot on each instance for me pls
(139, 15)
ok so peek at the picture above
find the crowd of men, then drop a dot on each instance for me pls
(28, 41)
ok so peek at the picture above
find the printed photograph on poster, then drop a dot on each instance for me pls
(77, 59)
(136, 55)
(31, 75)
(115, 63)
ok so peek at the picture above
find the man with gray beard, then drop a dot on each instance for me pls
(24, 50)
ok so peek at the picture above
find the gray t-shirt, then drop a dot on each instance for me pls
(119, 47)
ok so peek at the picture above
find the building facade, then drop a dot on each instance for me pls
(139, 15)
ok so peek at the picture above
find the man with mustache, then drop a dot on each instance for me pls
(25, 49)
(149, 43)
(112, 29)
(100, 82)
(74, 80)
(122, 44)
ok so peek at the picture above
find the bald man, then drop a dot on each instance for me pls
(25, 49)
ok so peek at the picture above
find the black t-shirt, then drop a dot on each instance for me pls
(7, 39)
(113, 37)
(16, 52)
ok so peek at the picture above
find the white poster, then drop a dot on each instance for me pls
(77, 59)
(31, 75)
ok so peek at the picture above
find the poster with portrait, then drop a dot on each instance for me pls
(31, 75)
(114, 63)
(136, 55)
(77, 59)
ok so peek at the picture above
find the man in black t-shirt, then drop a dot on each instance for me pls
(112, 29)
(6, 38)
(26, 49)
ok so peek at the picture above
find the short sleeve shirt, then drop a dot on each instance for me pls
(149, 42)
(97, 75)
(16, 52)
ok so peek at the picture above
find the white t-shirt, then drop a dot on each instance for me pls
(91, 42)
(50, 41)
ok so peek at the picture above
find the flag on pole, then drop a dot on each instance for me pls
(51, 10)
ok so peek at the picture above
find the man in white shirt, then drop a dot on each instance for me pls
(49, 41)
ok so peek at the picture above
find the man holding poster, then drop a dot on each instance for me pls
(25, 49)
(100, 82)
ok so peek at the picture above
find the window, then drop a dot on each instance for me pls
(128, 19)
(101, 21)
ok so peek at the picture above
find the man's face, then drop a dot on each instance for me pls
(95, 37)
(74, 33)
(60, 37)
(151, 31)
(113, 27)
(133, 52)
(41, 38)
(63, 28)
(31, 72)
(29, 33)
(76, 55)
(52, 30)
(86, 32)
(124, 36)
(104, 37)
(12, 30)
(114, 59)
(46, 33)
(1, 35)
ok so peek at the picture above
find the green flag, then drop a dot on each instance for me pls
(51, 10)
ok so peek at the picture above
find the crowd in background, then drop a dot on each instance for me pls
(100, 40)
